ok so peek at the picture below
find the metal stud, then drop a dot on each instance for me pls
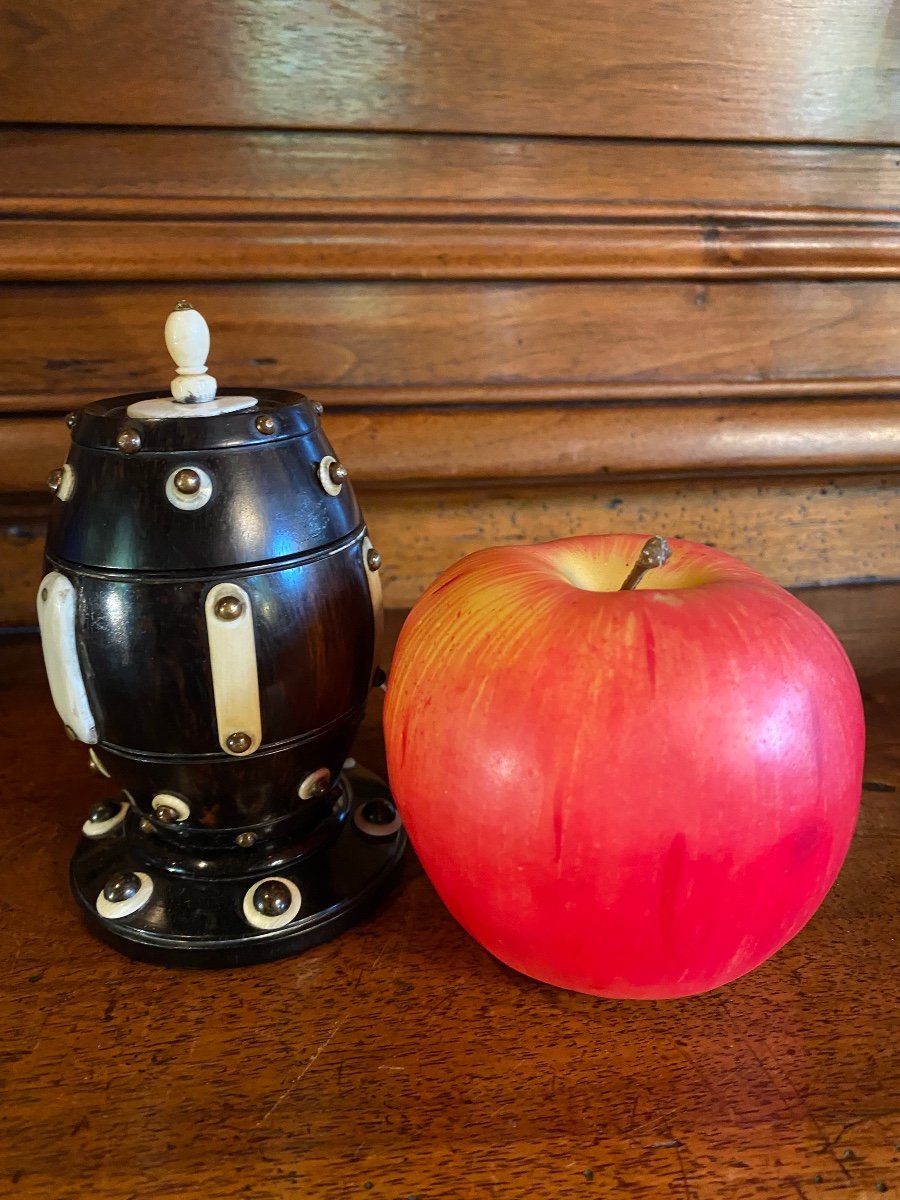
(61, 482)
(95, 765)
(246, 840)
(319, 407)
(373, 559)
(124, 893)
(187, 482)
(170, 809)
(145, 826)
(271, 903)
(103, 810)
(265, 424)
(331, 475)
(72, 420)
(272, 898)
(104, 817)
(238, 743)
(188, 488)
(129, 441)
(121, 887)
(315, 785)
(379, 812)
(228, 608)
(377, 818)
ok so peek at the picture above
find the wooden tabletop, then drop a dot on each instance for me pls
(403, 1061)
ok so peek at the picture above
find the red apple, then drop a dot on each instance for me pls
(640, 793)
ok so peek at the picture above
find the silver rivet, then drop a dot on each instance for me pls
(54, 480)
(228, 608)
(245, 840)
(337, 473)
(373, 559)
(319, 407)
(239, 743)
(187, 482)
(121, 887)
(72, 420)
(129, 441)
(145, 825)
(265, 423)
(166, 814)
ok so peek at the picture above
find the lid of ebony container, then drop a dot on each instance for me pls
(204, 478)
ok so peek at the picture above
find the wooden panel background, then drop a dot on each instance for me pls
(550, 268)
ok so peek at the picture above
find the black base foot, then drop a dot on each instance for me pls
(138, 897)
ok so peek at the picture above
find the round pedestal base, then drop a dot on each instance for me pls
(151, 906)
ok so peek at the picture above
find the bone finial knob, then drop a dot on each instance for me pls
(187, 340)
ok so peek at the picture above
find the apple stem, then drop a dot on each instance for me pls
(655, 553)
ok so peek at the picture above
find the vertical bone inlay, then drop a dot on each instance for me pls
(375, 591)
(56, 617)
(232, 655)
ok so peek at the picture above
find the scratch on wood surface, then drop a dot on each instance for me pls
(682, 1173)
(314, 1058)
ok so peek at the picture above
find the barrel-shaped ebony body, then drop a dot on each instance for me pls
(285, 538)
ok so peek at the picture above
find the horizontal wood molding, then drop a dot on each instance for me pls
(799, 531)
(59, 172)
(710, 69)
(500, 395)
(554, 442)
(179, 251)
(805, 530)
(373, 341)
(390, 447)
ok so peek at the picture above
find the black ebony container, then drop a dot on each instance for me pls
(210, 616)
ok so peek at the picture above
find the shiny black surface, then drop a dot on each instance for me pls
(229, 795)
(197, 921)
(144, 650)
(99, 424)
(142, 569)
(267, 502)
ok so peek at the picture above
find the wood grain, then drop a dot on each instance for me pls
(655, 337)
(403, 1057)
(23, 523)
(409, 446)
(801, 530)
(79, 250)
(804, 530)
(712, 69)
(58, 171)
